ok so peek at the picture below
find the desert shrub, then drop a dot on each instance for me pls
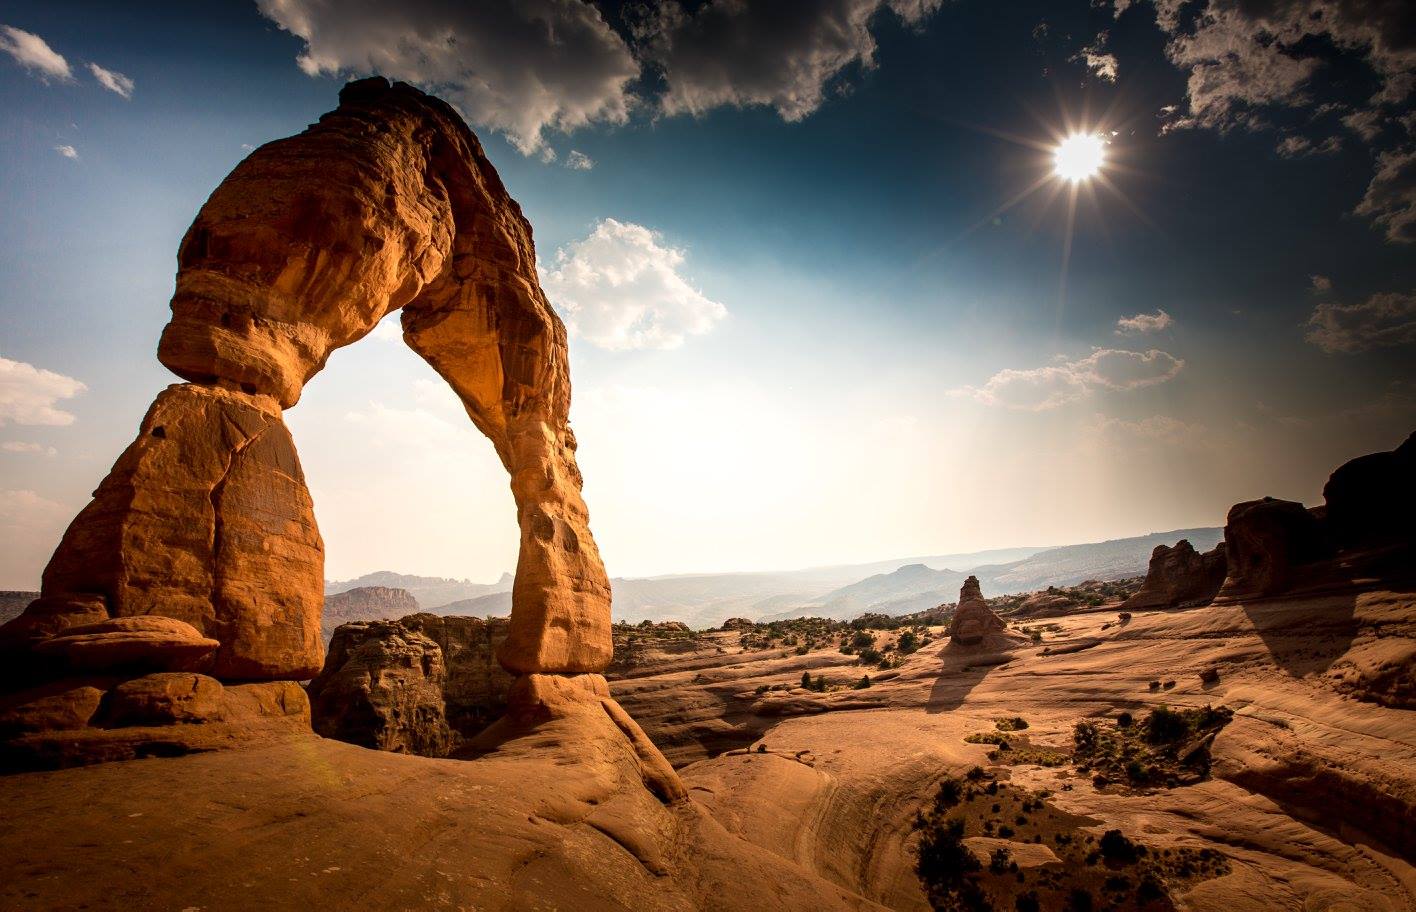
(1165, 725)
(1084, 737)
(806, 679)
(1124, 720)
(761, 689)
(998, 861)
(1115, 847)
(1016, 723)
(863, 683)
(1080, 900)
(803, 649)
(1027, 902)
(870, 656)
(908, 642)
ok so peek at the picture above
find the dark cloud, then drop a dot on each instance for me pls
(518, 66)
(780, 55)
(1390, 200)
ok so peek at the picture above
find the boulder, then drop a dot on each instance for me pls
(973, 619)
(148, 642)
(382, 687)
(1267, 541)
(1179, 577)
(165, 699)
(58, 706)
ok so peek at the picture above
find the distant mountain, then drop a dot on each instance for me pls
(913, 587)
(1072, 564)
(430, 591)
(897, 586)
(365, 603)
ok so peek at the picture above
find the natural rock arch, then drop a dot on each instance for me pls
(386, 203)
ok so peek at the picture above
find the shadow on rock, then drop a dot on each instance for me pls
(1305, 636)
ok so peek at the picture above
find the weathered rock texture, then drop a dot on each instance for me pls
(382, 687)
(1364, 533)
(1180, 576)
(386, 203)
(421, 685)
(973, 619)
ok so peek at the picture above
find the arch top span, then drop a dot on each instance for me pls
(387, 203)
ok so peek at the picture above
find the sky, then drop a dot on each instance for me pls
(827, 300)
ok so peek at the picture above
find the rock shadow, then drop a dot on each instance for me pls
(1305, 635)
(962, 672)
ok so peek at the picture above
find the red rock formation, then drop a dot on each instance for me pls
(1179, 576)
(973, 619)
(366, 603)
(1364, 533)
(386, 203)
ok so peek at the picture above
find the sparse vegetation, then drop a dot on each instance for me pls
(1114, 871)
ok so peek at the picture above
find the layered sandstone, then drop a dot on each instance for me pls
(365, 603)
(386, 203)
(1179, 576)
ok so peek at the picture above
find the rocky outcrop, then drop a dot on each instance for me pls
(382, 687)
(1180, 577)
(421, 685)
(365, 603)
(973, 620)
(386, 203)
(1362, 536)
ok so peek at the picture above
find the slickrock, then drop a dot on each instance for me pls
(386, 203)
(973, 620)
(1179, 577)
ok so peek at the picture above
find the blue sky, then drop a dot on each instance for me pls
(832, 351)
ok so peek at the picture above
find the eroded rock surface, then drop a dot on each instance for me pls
(422, 685)
(1179, 576)
(386, 203)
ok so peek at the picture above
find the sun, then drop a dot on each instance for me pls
(1079, 157)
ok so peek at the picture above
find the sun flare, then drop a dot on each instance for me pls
(1079, 157)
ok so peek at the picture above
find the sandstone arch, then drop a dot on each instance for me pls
(386, 203)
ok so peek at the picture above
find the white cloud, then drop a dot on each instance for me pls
(1103, 65)
(68, 152)
(579, 161)
(1161, 429)
(1144, 323)
(1321, 284)
(1032, 390)
(1390, 200)
(34, 54)
(1383, 320)
(1295, 146)
(781, 55)
(112, 80)
(620, 288)
(1123, 370)
(28, 394)
(1042, 388)
(389, 329)
(520, 67)
(1252, 63)
(20, 446)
